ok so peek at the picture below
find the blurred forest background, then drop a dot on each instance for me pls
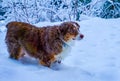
(34, 11)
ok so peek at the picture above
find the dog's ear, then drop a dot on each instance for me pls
(65, 24)
(64, 27)
(76, 24)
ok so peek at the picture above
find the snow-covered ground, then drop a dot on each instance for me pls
(95, 58)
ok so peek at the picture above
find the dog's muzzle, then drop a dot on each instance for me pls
(79, 37)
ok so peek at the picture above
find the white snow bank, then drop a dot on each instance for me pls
(95, 58)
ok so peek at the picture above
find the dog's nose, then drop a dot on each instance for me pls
(81, 36)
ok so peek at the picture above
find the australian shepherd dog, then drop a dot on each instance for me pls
(47, 44)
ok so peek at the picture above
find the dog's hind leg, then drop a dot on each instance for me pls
(14, 48)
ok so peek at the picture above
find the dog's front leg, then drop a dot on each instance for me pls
(47, 60)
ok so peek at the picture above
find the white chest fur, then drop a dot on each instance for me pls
(67, 46)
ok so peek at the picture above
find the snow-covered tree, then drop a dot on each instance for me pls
(2, 10)
(34, 11)
(111, 9)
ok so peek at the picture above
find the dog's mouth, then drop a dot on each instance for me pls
(79, 37)
(69, 37)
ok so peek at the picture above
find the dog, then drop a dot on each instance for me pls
(43, 43)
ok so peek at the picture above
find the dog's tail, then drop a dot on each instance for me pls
(7, 25)
(10, 24)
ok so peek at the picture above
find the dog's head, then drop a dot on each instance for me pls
(70, 31)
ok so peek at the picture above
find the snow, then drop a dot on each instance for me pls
(95, 58)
